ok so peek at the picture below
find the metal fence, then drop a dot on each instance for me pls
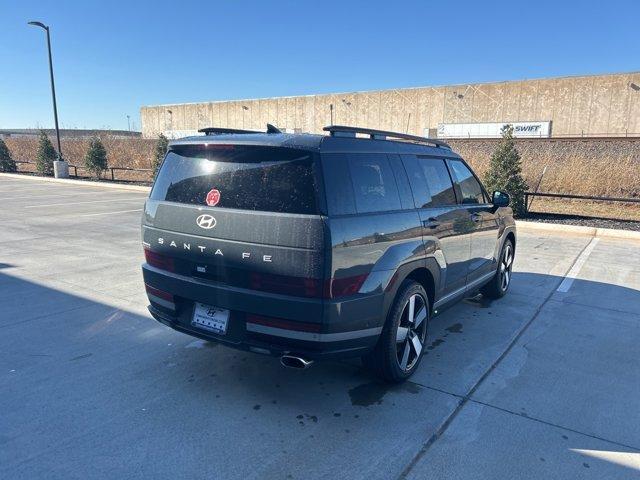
(528, 196)
(532, 195)
(147, 172)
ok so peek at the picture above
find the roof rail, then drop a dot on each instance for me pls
(221, 130)
(382, 135)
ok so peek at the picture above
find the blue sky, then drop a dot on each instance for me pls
(111, 57)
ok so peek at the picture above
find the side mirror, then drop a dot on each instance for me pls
(500, 199)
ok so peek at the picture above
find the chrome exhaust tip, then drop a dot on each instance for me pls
(293, 361)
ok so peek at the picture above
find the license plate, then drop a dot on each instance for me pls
(210, 318)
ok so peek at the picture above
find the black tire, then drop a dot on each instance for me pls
(386, 359)
(499, 284)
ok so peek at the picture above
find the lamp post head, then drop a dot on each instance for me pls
(39, 24)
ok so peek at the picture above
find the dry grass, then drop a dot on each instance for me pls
(121, 152)
(596, 209)
(582, 167)
(600, 167)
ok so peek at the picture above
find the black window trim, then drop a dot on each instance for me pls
(398, 168)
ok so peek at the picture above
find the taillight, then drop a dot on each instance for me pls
(159, 293)
(342, 287)
(158, 260)
(286, 285)
(306, 287)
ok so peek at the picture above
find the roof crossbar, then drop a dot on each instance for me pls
(222, 130)
(341, 130)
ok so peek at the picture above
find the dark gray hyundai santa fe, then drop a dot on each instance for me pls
(320, 246)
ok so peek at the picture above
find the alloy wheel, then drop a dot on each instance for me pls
(505, 267)
(412, 332)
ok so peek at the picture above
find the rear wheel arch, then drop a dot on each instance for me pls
(425, 278)
(511, 236)
(418, 271)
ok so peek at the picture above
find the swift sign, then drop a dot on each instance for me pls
(492, 130)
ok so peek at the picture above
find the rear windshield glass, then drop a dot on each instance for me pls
(268, 179)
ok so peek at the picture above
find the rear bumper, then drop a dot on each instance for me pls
(343, 329)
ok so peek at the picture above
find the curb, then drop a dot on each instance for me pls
(82, 183)
(524, 225)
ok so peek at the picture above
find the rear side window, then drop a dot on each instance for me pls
(469, 187)
(374, 184)
(430, 181)
(361, 183)
(242, 177)
(337, 184)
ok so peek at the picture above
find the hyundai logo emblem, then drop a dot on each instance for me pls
(206, 221)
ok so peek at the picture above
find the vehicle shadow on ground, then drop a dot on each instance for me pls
(478, 322)
(74, 364)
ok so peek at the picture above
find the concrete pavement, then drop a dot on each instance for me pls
(540, 384)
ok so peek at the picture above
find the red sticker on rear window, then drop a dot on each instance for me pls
(213, 197)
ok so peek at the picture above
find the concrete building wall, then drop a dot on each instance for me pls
(589, 105)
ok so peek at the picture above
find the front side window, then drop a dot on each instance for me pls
(259, 178)
(469, 187)
(430, 181)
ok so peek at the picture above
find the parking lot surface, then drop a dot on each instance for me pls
(544, 383)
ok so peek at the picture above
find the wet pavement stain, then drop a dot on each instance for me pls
(373, 393)
(455, 328)
(435, 343)
(312, 418)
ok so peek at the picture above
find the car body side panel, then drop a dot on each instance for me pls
(483, 241)
(375, 245)
(447, 236)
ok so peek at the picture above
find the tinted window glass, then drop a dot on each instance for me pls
(337, 184)
(469, 187)
(430, 181)
(248, 178)
(406, 199)
(439, 182)
(374, 185)
(416, 179)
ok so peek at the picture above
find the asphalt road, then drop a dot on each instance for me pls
(544, 383)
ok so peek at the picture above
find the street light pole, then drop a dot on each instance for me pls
(62, 170)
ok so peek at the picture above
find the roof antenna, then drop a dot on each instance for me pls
(273, 129)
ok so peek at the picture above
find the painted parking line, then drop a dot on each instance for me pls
(45, 195)
(130, 199)
(575, 270)
(107, 213)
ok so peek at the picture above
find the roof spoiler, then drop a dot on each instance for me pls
(220, 130)
(345, 131)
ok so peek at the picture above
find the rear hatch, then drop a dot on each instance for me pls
(246, 216)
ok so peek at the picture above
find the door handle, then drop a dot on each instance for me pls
(431, 222)
(476, 217)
